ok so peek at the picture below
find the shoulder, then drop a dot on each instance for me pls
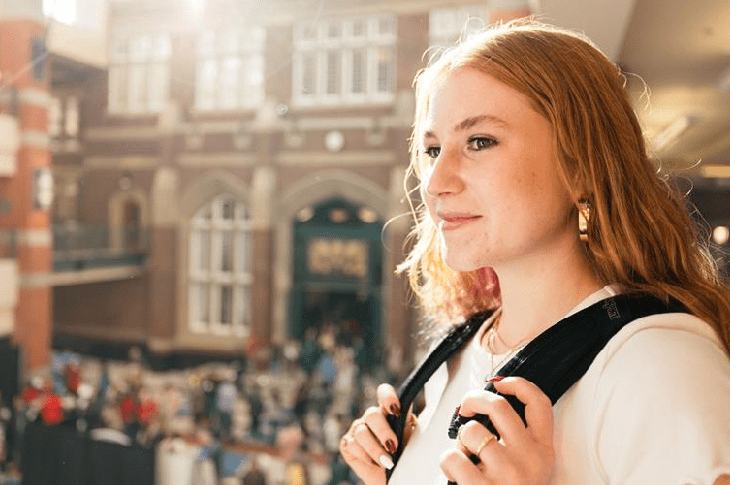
(672, 341)
(652, 358)
(661, 391)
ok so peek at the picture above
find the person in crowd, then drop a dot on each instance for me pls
(254, 475)
(256, 409)
(225, 405)
(311, 351)
(52, 408)
(129, 407)
(540, 200)
(340, 472)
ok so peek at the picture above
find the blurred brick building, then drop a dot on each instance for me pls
(235, 173)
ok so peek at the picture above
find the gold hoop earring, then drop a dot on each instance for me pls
(584, 218)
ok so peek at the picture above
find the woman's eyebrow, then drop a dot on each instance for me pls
(469, 122)
(475, 120)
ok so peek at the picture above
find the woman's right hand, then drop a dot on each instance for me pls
(369, 443)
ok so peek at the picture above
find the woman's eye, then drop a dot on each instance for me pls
(481, 142)
(432, 152)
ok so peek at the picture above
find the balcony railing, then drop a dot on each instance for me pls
(79, 246)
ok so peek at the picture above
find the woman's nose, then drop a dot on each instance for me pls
(443, 177)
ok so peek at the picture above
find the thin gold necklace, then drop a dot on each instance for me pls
(511, 351)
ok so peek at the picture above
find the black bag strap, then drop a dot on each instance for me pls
(412, 385)
(554, 360)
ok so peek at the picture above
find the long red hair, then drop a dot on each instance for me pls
(641, 235)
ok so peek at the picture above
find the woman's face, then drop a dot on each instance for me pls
(493, 188)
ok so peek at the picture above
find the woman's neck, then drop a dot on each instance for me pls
(535, 296)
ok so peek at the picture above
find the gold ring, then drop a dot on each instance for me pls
(488, 439)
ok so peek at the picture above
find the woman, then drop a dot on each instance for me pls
(522, 134)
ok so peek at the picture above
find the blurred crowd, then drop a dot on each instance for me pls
(274, 417)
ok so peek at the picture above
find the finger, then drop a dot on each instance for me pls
(376, 421)
(479, 441)
(505, 419)
(388, 399)
(538, 408)
(458, 468)
(367, 441)
(353, 452)
(360, 462)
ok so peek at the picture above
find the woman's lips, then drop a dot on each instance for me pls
(452, 221)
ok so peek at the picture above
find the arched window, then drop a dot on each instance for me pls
(219, 265)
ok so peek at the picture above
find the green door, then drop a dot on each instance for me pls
(337, 274)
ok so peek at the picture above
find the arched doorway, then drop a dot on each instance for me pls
(338, 274)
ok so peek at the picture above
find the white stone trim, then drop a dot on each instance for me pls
(352, 157)
(36, 139)
(217, 159)
(27, 96)
(120, 162)
(34, 237)
(67, 278)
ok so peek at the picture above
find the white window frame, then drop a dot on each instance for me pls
(320, 45)
(139, 78)
(212, 279)
(247, 49)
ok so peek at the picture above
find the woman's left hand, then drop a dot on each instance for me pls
(524, 455)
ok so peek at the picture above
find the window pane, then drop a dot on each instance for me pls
(309, 32)
(243, 307)
(54, 117)
(386, 26)
(228, 42)
(117, 89)
(358, 71)
(206, 44)
(243, 243)
(72, 116)
(228, 82)
(119, 49)
(359, 28)
(205, 213)
(333, 72)
(241, 212)
(205, 86)
(251, 90)
(227, 252)
(309, 73)
(226, 294)
(228, 207)
(204, 255)
(140, 48)
(159, 86)
(199, 303)
(137, 88)
(385, 70)
(334, 30)
(254, 39)
(162, 47)
(254, 71)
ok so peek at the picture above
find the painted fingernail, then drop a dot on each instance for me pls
(495, 379)
(390, 446)
(395, 409)
(386, 461)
